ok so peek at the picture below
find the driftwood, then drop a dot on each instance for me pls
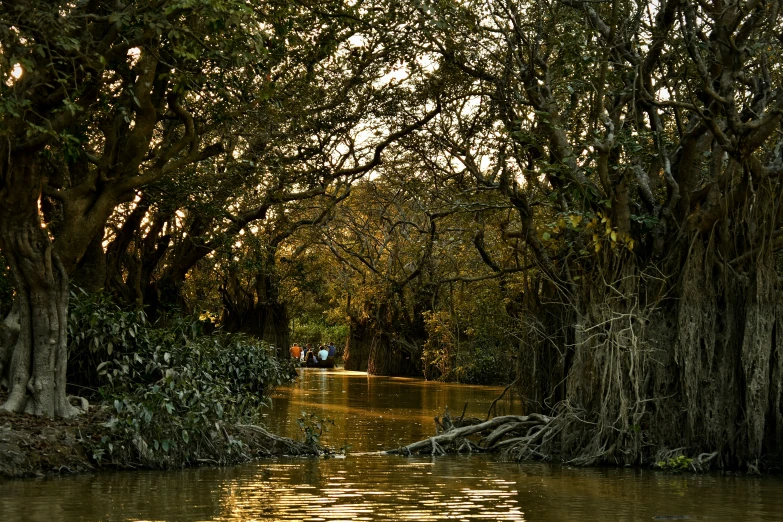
(520, 434)
(524, 437)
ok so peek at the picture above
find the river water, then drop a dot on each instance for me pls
(370, 413)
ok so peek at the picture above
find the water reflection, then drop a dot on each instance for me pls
(375, 487)
(371, 413)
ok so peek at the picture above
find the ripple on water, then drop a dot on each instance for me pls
(374, 411)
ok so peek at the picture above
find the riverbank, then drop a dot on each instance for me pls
(32, 446)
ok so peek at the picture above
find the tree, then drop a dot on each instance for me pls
(98, 102)
(640, 145)
(325, 122)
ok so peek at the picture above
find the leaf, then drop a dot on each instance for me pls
(613, 235)
(185, 436)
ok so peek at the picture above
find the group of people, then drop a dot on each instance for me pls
(322, 357)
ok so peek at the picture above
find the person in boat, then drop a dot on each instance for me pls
(295, 351)
(332, 350)
(324, 361)
(312, 360)
(323, 354)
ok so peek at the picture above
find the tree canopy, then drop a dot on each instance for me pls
(582, 196)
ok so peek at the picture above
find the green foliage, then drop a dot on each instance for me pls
(97, 328)
(170, 388)
(171, 398)
(484, 364)
(318, 332)
(679, 463)
(313, 428)
(479, 354)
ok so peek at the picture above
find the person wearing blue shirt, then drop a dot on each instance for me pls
(323, 354)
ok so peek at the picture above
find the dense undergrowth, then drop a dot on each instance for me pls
(173, 394)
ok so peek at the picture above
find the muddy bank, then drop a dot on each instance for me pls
(36, 446)
(32, 446)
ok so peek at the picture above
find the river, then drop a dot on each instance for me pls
(370, 413)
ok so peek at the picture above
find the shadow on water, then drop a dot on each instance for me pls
(369, 413)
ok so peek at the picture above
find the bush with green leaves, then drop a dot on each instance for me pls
(484, 363)
(172, 391)
(319, 332)
(678, 463)
(97, 328)
(313, 428)
(172, 400)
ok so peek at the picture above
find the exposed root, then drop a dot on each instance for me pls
(266, 443)
(538, 437)
(529, 430)
(702, 462)
(80, 403)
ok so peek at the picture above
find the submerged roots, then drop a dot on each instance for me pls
(538, 437)
(514, 435)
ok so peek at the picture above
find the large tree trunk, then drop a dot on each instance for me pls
(690, 360)
(258, 311)
(358, 346)
(376, 345)
(37, 360)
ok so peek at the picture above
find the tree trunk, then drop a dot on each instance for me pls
(357, 346)
(90, 273)
(37, 360)
(648, 364)
(258, 311)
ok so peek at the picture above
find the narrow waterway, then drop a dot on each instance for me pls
(370, 413)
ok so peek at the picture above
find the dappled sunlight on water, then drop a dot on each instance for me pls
(369, 413)
(372, 413)
(379, 488)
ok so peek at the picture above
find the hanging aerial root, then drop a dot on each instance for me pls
(499, 433)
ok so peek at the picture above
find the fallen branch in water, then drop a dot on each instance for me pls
(535, 437)
(489, 411)
(266, 443)
(526, 432)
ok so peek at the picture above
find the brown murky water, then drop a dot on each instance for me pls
(370, 413)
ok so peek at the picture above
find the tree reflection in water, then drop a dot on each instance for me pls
(371, 411)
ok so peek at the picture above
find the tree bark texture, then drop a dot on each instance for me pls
(647, 362)
(358, 346)
(257, 311)
(36, 361)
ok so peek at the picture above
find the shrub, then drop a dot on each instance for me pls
(172, 392)
(678, 463)
(98, 331)
(316, 332)
(172, 401)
